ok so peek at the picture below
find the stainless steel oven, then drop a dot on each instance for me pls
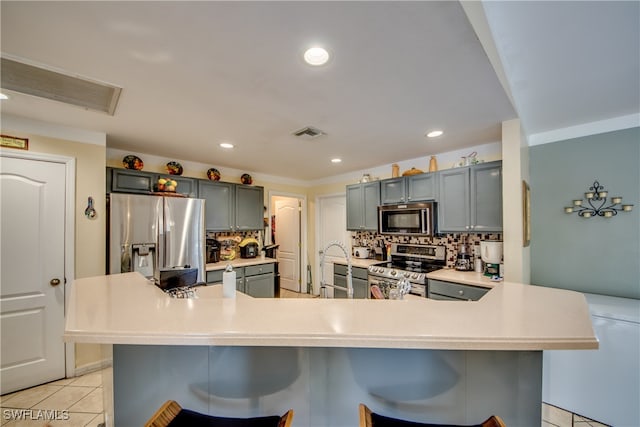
(384, 284)
(410, 218)
(412, 262)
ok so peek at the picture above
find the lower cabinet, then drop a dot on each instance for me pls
(258, 281)
(358, 279)
(255, 280)
(449, 291)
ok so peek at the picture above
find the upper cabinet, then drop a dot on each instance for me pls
(362, 206)
(232, 207)
(249, 208)
(133, 181)
(229, 207)
(409, 189)
(219, 205)
(470, 199)
(129, 181)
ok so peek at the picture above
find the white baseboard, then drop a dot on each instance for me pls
(91, 367)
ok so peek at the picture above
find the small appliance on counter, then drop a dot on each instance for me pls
(176, 277)
(381, 251)
(491, 254)
(361, 252)
(213, 251)
(464, 260)
(249, 248)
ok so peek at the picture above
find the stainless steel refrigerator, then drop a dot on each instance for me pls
(152, 233)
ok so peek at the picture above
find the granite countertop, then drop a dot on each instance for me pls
(129, 309)
(239, 262)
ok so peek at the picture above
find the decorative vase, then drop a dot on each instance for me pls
(433, 164)
(395, 170)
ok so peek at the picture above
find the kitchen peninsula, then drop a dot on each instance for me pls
(438, 361)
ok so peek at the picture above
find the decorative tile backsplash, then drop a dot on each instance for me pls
(242, 234)
(451, 241)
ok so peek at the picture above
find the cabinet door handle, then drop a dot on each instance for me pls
(460, 292)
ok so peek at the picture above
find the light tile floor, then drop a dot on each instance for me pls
(70, 402)
(553, 416)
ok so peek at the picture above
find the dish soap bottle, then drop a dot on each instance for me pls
(229, 282)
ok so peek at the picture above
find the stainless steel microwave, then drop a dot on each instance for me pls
(410, 218)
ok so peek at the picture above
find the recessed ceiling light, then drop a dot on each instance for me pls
(226, 145)
(3, 96)
(336, 160)
(316, 56)
(434, 133)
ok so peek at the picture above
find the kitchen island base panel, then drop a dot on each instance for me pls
(325, 385)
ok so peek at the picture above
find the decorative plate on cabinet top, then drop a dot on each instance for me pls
(213, 174)
(174, 168)
(246, 179)
(132, 162)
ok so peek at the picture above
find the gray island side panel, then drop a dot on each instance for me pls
(325, 385)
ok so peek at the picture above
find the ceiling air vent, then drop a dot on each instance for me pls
(309, 132)
(44, 83)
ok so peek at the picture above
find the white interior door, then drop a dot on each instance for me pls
(288, 236)
(32, 225)
(332, 226)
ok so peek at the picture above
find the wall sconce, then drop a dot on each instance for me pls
(598, 195)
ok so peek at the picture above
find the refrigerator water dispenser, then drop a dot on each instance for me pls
(143, 258)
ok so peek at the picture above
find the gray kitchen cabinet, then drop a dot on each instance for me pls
(409, 189)
(231, 207)
(255, 280)
(449, 291)
(259, 280)
(470, 198)
(249, 208)
(486, 197)
(219, 205)
(358, 279)
(133, 181)
(393, 190)
(129, 181)
(422, 187)
(362, 206)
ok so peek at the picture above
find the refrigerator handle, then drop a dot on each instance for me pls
(160, 238)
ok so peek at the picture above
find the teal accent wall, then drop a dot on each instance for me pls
(596, 255)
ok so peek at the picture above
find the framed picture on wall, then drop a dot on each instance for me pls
(526, 214)
(14, 142)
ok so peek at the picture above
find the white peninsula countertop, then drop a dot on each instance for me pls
(128, 309)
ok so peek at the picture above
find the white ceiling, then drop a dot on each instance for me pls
(195, 74)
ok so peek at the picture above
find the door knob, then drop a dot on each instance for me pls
(54, 282)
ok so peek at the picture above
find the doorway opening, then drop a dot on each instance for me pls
(287, 228)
